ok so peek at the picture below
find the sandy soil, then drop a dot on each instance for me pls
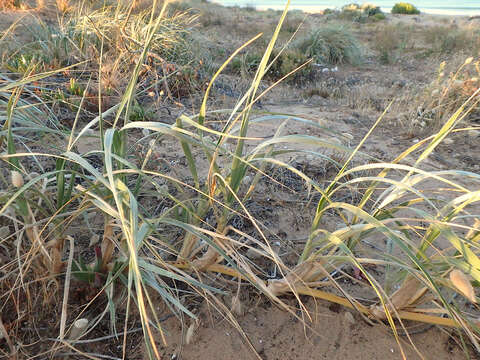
(334, 333)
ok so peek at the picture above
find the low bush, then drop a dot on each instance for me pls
(379, 16)
(405, 8)
(286, 62)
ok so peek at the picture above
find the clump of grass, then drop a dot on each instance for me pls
(332, 44)
(447, 93)
(390, 42)
(292, 24)
(287, 61)
(405, 8)
(446, 40)
(379, 16)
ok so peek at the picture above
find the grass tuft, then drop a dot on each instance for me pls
(332, 44)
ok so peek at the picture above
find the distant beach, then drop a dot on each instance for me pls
(441, 7)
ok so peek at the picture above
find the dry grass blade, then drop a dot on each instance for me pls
(461, 282)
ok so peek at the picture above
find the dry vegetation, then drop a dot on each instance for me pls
(126, 184)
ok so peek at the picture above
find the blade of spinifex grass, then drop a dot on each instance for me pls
(406, 194)
(238, 168)
(127, 209)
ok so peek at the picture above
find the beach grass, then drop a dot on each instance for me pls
(154, 230)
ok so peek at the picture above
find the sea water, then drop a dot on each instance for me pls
(446, 7)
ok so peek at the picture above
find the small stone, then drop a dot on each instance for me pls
(448, 141)
(348, 136)
(78, 328)
(145, 132)
(17, 179)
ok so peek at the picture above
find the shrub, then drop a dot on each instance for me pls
(379, 16)
(359, 13)
(286, 62)
(332, 44)
(405, 8)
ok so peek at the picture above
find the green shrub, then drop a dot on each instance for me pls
(379, 16)
(332, 44)
(288, 61)
(405, 8)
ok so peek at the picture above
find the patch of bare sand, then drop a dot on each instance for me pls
(334, 333)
